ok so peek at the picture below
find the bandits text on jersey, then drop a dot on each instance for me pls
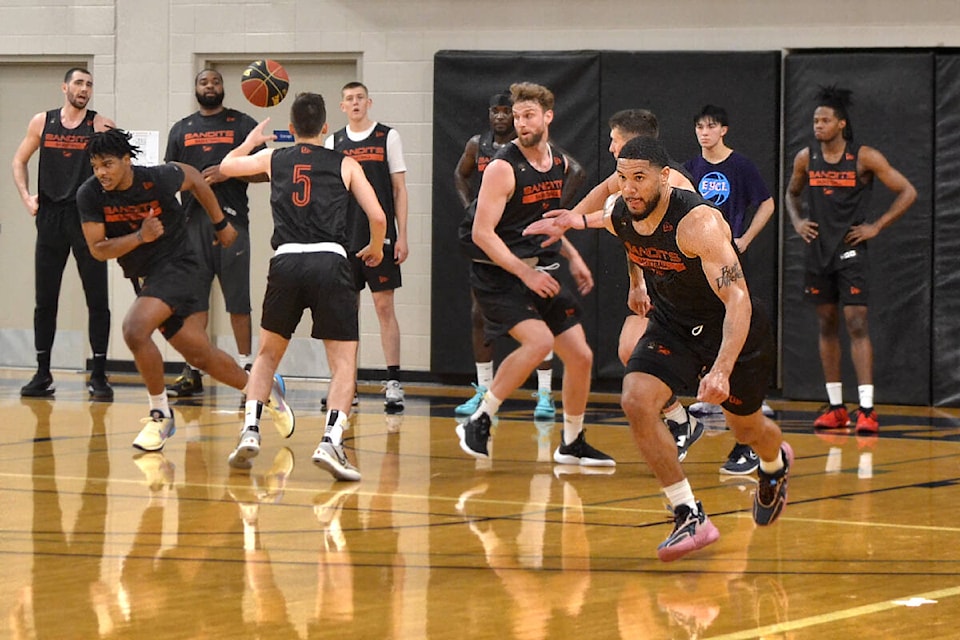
(224, 136)
(655, 259)
(832, 178)
(65, 141)
(365, 154)
(546, 190)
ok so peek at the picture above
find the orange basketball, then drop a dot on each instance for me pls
(265, 83)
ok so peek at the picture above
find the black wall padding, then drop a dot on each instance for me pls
(675, 86)
(463, 84)
(946, 238)
(892, 111)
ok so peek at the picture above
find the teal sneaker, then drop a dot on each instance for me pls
(470, 407)
(545, 409)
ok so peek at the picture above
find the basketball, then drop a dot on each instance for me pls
(265, 83)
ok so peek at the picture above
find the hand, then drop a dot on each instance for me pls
(741, 244)
(540, 283)
(226, 236)
(861, 233)
(553, 224)
(32, 203)
(639, 302)
(151, 228)
(257, 137)
(714, 388)
(807, 229)
(212, 175)
(369, 257)
(581, 275)
(400, 251)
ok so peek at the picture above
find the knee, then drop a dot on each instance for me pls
(580, 358)
(637, 406)
(135, 334)
(857, 327)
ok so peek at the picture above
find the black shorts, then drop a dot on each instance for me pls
(383, 277)
(679, 361)
(321, 281)
(174, 282)
(230, 265)
(844, 281)
(506, 302)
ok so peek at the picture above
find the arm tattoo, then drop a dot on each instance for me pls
(729, 275)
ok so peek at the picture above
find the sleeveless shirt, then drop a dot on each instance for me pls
(837, 200)
(64, 162)
(371, 153)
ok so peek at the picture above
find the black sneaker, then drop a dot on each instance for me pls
(40, 386)
(692, 530)
(99, 388)
(579, 452)
(771, 496)
(685, 434)
(188, 384)
(474, 435)
(742, 461)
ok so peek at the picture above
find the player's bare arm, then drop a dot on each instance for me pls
(704, 234)
(805, 228)
(21, 177)
(238, 162)
(195, 184)
(402, 248)
(356, 181)
(466, 167)
(869, 160)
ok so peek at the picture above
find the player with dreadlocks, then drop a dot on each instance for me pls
(131, 213)
(838, 174)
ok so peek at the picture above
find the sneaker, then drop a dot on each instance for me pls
(188, 384)
(247, 449)
(579, 452)
(742, 461)
(40, 386)
(474, 436)
(685, 434)
(355, 403)
(283, 418)
(867, 421)
(331, 457)
(691, 531)
(704, 409)
(393, 402)
(771, 495)
(545, 409)
(99, 388)
(470, 407)
(832, 418)
(155, 432)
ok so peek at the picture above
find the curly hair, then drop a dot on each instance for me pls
(112, 142)
(838, 99)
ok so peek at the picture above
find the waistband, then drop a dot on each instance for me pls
(316, 247)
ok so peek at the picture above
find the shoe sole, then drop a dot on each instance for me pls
(323, 461)
(241, 457)
(707, 535)
(745, 472)
(46, 393)
(565, 458)
(466, 448)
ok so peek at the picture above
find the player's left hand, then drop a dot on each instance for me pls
(553, 224)
(861, 233)
(714, 387)
(212, 175)
(370, 257)
(400, 251)
(227, 235)
(581, 275)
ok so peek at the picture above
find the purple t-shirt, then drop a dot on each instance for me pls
(734, 186)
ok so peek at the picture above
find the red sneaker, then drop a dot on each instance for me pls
(833, 418)
(867, 421)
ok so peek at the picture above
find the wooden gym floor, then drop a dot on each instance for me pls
(98, 542)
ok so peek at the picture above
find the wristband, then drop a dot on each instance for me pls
(220, 226)
(584, 220)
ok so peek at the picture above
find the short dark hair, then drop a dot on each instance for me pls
(308, 114)
(355, 85)
(638, 122)
(712, 113)
(196, 78)
(838, 99)
(501, 99)
(68, 76)
(645, 148)
(112, 142)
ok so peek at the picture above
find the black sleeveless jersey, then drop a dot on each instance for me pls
(371, 153)
(837, 200)
(123, 212)
(202, 141)
(534, 194)
(64, 162)
(307, 195)
(486, 151)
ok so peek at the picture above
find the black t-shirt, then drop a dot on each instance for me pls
(203, 141)
(123, 212)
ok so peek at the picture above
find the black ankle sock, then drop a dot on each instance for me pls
(393, 373)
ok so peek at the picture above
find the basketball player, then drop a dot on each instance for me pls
(379, 151)
(310, 189)
(513, 286)
(701, 318)
(477, 153)
(201, 140)
(61, 136)
(131, 213)
(836, 232)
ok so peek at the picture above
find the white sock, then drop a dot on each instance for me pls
(866, 395)
(572, 426)
(244, 359)
(334, 429)
(680, 493)
(160, 402)
(676, 413)
(772, 466)
(835, 393)
(484, 374)
(545, 376)
(489, 405)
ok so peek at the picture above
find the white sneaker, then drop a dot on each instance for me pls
(393, 395)
(331, 457)
(155, 431)
(247, 449)
(283, 418)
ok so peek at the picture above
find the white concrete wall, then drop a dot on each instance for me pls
(141, 50)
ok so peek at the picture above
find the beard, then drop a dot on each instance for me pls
(532, 140)
(76, 102)
(640, 216)
(209, 101)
